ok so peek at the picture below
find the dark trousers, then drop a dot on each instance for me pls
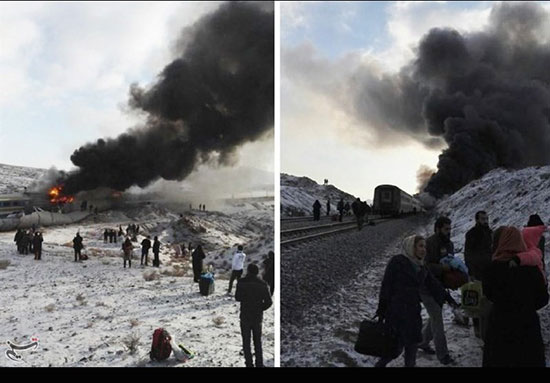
(76, 254)
(341, 215)
(410, 356)
(156, 260)
(37, 253)
(129, 262)
(235, 274)
(252, 330)
(144, 253)
(197, 270)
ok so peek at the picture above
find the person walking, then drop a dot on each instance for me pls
(340, 208)
(253, 294)
(77, 246)
(405, 278)
(316, 210)
(513, 333)
(197, 256)
(437, 246)
(236, 267)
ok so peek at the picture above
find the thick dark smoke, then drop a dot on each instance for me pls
(487, 94)
(217, 95)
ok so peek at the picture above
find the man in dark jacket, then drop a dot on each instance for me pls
(437, 247)
(477, 254)
(37, 245)
(253, 293)
(340, 208)
(17, 240)
(145, 246)
(156, 251)
(316, 210)
(77, 246)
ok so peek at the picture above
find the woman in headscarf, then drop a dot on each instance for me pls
(399, 301)
(198, 255)
(513, 332)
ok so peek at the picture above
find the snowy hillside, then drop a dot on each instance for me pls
(509, 197)
(96, 313)
(299, 193)
(13, 179)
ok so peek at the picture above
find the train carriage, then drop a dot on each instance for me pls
(390, 200)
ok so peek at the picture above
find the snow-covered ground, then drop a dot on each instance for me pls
(96, 313)
(299, 193)
(327, 336)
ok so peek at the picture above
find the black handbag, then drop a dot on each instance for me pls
(376, 339)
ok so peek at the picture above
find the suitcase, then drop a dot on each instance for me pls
(376, 340)
(206, 284)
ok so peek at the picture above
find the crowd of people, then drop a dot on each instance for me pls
(360, 209)
(509, 265)
(253, 292)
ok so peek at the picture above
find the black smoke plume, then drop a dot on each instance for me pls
(217, 95)
(487, 94)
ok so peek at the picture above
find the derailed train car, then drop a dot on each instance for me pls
(390, 200)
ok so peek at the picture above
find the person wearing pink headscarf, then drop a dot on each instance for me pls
(513, 333)
(533, 255)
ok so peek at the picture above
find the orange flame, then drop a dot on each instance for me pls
(56, 195)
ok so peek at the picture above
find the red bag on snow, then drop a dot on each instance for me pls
(161, 348)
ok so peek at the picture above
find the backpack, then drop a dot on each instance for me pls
(161, 348)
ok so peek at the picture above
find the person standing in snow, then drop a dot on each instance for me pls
(513, 333)
(198, 256)
(106, 235)
(357, 208)
(406, 278)
(156, 251)
(127, 249)
(145, 246)
(17, 240)
(253, 293)
(328, 207)
(269, 271)
(477, 255)
(340, 208)
(438, 246)
(316, 210)
(236, 267)
(37, 245)
(77, 246)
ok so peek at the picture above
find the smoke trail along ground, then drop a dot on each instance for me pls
(487, 94)
(217, 95)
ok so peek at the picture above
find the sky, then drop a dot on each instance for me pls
(321, 43)
(67, 69)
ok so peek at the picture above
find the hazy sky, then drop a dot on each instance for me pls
(67, 68)
(321, 43)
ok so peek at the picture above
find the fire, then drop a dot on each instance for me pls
(56, 195)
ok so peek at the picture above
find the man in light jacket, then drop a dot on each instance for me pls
(237, 267)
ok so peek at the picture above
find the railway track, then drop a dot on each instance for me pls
(306, 233)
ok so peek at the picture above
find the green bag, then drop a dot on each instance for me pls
(472, 298)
